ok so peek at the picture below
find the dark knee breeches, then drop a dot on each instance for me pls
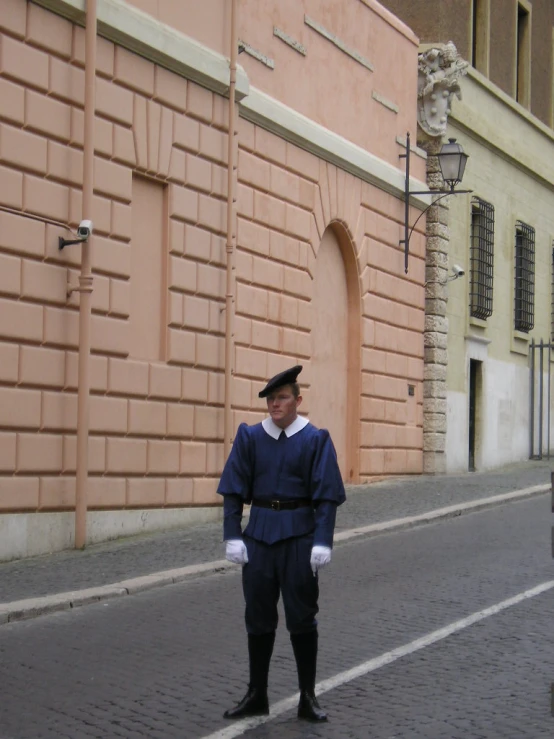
(272, 569)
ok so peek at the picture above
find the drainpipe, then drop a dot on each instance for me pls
(85, 284)
(229, 247)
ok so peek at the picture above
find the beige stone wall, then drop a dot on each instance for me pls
(516, 183)
(440, 21)
(156, 407)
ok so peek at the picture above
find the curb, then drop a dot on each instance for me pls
(440, 514)
(33, 607)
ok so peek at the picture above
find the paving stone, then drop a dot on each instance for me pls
(166, 663)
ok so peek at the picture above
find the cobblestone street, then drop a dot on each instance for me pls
(167, 662)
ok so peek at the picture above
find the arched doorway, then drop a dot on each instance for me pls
(335, 366)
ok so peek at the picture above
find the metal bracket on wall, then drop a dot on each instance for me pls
(84, 286)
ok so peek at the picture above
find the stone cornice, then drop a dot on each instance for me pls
(278, 118)
(489, 115)
(392, 20)
(509, 101)
(139, 32)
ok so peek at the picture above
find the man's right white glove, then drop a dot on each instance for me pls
(320, 557)
(235, 551)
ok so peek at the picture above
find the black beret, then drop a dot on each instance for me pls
(283, 378)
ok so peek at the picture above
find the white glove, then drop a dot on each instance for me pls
(321, 556)
(235, 551)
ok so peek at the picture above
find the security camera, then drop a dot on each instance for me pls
(456, 270)
(84, 229)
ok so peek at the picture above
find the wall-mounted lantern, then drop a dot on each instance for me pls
(452, 163)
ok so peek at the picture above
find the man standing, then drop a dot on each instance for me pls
(287, 470)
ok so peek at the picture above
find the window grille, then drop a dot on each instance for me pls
(481, 258)
(524, 308)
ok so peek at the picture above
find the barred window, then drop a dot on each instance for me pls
(481, 258)
(524, 308)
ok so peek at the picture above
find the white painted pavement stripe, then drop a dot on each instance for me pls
(240, 727)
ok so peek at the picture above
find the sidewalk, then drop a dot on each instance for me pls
(66, 579)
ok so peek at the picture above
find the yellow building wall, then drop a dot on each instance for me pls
(510, 166)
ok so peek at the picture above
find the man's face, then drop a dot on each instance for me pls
(282, 406)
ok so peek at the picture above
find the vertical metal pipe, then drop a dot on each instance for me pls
(552, 528)
(229, 247)
(407, 205)
(85, 284)
(548, 401)
(541, 394)
(532, 401)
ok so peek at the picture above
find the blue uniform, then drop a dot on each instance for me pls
(269, 464)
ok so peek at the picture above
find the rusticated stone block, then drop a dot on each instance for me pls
(434, 388)
(438, 213)
(433, 167)
(434, 372)
(435, 307)
(435, 423)
(437, 266)
(435, 340)
(434, 463)
(438, 229)
(434, 405)
(435, 181)
(436, 243)
(434, 355)
(436, 290)
(438, 324)
(434, 442)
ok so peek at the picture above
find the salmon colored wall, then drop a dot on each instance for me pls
(347, 106)
(276, 261)
(326, 84)
(147, 282)
(329, 346)
(206, 21)
(157, 425)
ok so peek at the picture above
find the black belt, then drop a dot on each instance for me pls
(282, 505)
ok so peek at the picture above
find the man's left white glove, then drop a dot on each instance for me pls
(321, 556)
(235, 551)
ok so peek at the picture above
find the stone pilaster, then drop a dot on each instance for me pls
(440, 70)
(436, 321)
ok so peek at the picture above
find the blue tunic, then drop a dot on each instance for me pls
(303, 465)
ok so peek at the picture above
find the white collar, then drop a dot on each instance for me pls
(275, 431)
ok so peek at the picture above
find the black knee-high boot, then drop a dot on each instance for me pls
(255, 702)
(305, 652)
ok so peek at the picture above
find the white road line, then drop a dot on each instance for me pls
(238, 728)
